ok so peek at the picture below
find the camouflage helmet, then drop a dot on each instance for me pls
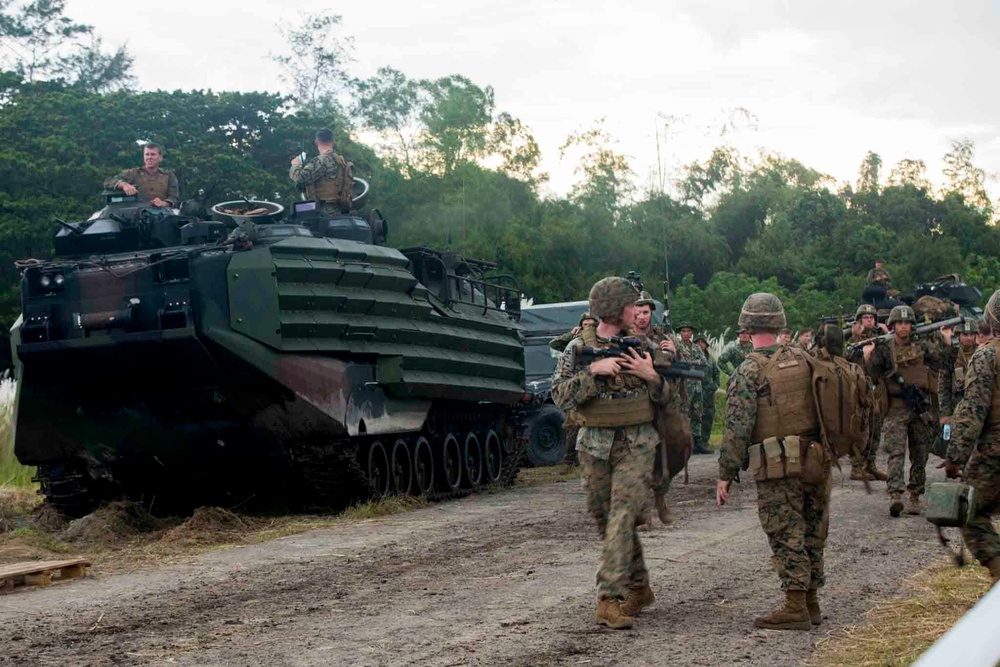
(586, 316)
(645, 299)
(830, 337)
(866, 309)
(702, 336)
(762, 311)
(991, 315)
(901, 314)
(968, 326)
(609, 295)
(685, 324)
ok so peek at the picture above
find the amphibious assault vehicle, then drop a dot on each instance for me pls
(256, 358)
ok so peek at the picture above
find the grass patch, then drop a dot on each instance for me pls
(12, 473)
(899, 631)
(546, 475)
(39, 539)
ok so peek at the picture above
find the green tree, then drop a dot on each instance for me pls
(314, 63)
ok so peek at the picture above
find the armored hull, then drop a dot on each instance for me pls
(299, 370)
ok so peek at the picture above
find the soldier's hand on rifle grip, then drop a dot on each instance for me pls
(639, 364)
(608, 366)
(722, 492)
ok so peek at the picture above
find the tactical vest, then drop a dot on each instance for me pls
(993, 419)
(324, 189)
(908, 362)
(789, 410)
(622, 400)
(958, 374)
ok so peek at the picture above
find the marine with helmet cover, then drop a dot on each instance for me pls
(907, 368)
(951, 379)
(612, 399)
(866, 326)
(709, 386)
(772, 423)
(974, 451)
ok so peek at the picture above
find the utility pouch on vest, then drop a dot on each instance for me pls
(757, 468)
(773, 464)
(793, 456)
(814, 468)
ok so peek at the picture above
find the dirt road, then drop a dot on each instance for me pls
(500, 579)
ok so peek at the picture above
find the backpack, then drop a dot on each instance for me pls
(845, 403)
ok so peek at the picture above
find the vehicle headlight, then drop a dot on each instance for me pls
(45, 281)
(59, 279)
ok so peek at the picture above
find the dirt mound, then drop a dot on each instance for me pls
(209, 525)
(113, 523)
(47, 518)
(16, 504)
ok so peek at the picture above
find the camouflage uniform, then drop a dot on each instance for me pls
(902, 428)
(879, 276)
(709, 386)
(866, 461)
(617, 463)
(975, 445)
(694, 389)
(793, 514)
(318, 178)
(951, 380)
(162, 184)
(733, 356)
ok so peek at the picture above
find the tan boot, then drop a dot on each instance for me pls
(793, 616)
(857, 474)
(875, 473)
(609, 612)
(812, 604)
(913, 504)
(637, 600)
(896, 504)
(662, 510)
(994, 566)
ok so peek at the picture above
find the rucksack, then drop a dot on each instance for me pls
(845, 403)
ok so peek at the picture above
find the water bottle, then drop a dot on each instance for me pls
(946, 434)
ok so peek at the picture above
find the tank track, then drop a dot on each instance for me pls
(335, 474)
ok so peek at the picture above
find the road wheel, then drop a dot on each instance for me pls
(378, 469)
(449, 465)
(473, 456)
(402, 468)
(545, 436)
(493, 454)
(423, 466)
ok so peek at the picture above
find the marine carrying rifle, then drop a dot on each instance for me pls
(620, 346)
(915, 399)
(917, 331)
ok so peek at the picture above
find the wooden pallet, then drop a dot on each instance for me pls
(40, 572)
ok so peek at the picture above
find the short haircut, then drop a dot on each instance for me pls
(324, 136)
(785, 331)
(156, 147)
(805, 331)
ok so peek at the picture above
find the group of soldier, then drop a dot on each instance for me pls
(775, 430)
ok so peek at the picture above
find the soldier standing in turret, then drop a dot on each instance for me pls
(613, 401)
(975, 444)
(771, 421)
(907, 367)
(866, 326)
(318, 177)
(736, 352)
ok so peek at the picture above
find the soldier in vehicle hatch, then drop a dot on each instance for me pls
(318, 177)
(152, 184)
(613, 400)
(879, 276)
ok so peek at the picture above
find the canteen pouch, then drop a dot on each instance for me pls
(756, 467)
(793, 456)
(814, 467)
(773, 463)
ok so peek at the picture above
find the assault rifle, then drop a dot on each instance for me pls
(622, 344)
(915, 400)
(917, 331)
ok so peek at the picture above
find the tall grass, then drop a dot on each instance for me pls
(12, 473)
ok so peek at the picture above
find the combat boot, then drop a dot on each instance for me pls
(812, 604)
(637, 600)
(609, 612)
(896, 506)
(858, 474)
(662, 510)
(994, 566)
(793, 616)
(875, 473)
(913, 504)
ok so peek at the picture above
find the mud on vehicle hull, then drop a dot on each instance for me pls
(305, 372)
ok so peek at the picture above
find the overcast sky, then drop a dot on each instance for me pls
(826, 81)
